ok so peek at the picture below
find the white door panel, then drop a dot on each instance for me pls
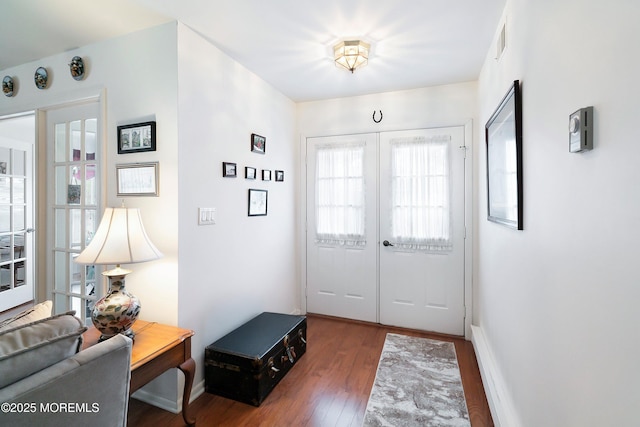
(424, 289)
(342, 278)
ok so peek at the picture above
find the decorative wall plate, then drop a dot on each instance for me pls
(76, 67)
(41, 76)
(7, 86)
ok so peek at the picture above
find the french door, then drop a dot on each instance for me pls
(74, 205)
(341, 226)
(400, 259)
(17, 255)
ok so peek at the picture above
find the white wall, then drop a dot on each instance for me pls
(556, 302)
(241, 266)
(436, 106)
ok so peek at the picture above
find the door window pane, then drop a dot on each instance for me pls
(420, 193)
(61, 185)
(60, 276)
(5, 190)
(5, 248)
(90, 226)
(74, 188)
(18, 190)
(90, 189)
(90, 140)
(60, 135)
(75, 146)
(60, 226)
(19, 273)
(19, 161)
(19, 219)
(5, 218)
(19, 250)
(5, 277)
(75, 228)
(340, 197)
(5, 157)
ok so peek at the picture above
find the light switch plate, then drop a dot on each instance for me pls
(206, 216)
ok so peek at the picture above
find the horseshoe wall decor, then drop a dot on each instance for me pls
(374, 116)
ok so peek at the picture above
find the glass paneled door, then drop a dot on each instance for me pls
(385, 228)
(422, 229)
(341, 226)
(74, 201)
(17, 136)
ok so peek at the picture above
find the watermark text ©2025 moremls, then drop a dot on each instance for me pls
(50, 407)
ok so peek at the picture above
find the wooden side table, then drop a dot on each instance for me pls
(156, 349)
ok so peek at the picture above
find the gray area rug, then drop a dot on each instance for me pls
(417, 384)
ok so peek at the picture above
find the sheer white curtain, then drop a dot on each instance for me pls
(420, 192)
(340, 199)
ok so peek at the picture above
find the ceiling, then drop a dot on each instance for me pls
(288, 43)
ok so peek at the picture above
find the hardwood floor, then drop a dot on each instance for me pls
(328, 386)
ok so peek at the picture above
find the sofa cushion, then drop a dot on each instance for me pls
(37, 312)
(34, 346)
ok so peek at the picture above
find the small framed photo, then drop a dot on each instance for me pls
(266, 175)
(279, 176)
(137, 179)
(136, 138)
(249, 172)
(258, 143)
(229, 170)
(257, 202)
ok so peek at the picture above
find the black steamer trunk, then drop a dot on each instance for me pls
(247, 363)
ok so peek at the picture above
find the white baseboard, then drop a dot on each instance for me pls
(166, 404)
(502, 410)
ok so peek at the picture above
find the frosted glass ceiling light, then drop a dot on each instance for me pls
(351, 54)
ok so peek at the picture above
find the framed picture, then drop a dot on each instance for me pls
(266, 175)
(229, 170)
(73, 194)
(136, 138)
(503, 134)
(249, 172)
(279, 176)
(257, 202)
(137, 179)
(258, 143)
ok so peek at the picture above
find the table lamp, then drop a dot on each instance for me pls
(120, 239)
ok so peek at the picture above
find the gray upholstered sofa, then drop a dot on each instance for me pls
(47, 380)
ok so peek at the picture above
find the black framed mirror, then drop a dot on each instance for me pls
(503, 133)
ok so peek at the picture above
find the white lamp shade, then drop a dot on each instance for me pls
(120, 239)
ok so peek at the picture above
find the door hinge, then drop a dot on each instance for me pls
(464, 148)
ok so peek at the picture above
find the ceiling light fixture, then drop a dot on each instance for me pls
(351, 54)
